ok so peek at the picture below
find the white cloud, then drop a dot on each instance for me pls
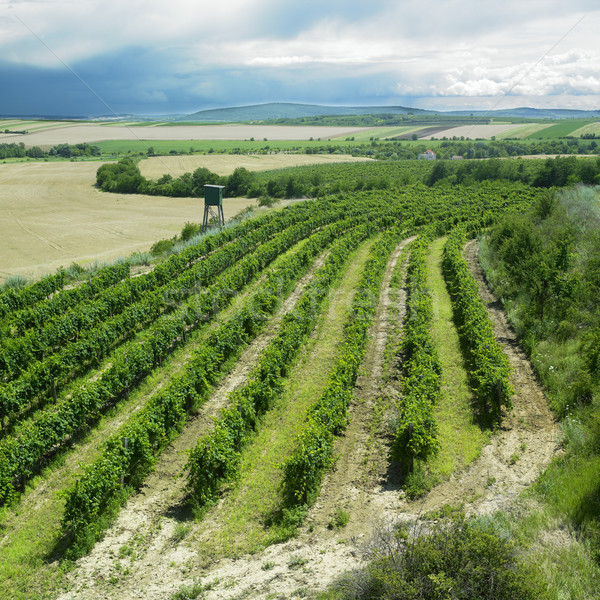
(443, 48)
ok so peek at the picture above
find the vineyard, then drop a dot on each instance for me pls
(213, 372)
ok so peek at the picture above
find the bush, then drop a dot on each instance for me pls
(458, 559)
(189, 231)
(162, 247)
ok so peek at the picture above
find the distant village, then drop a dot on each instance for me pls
(431, 155)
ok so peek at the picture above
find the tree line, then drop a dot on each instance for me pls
(62, 150)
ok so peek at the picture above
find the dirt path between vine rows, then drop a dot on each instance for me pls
(517, 453)
(146, 531)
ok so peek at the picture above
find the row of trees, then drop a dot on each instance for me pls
(124, 177)
(554, 172)
(62, 150)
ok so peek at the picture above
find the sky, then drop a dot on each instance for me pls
(152, 57)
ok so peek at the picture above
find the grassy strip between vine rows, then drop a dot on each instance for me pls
(216, 457)
(99, 491)
(416, 434)
(489, 368)
(91, 345)
(21, 453)
(303, 470)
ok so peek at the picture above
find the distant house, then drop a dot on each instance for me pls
(457, 157)
(427, 155)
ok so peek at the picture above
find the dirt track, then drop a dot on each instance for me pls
(517, 453)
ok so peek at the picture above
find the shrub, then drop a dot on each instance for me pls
(457, 559)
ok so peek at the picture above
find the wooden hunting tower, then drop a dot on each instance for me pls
(213, 206)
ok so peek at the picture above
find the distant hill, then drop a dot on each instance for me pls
(531, 113)
(295, 113)
(285, 110)
(282, 111)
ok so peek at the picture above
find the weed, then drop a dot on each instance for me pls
(181, 531)
(267, 566)
(338, 519)
(297, 561)
(190, 592)
(126, 550)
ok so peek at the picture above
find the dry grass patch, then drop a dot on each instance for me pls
(51, 215)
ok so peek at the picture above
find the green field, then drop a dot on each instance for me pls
(559, 130)
(593, 128)
(525, 131)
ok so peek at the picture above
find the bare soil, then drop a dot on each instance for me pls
(76, 133)
(518, 452)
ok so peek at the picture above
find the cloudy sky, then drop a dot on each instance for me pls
(92, 57)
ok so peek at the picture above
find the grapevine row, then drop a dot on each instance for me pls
(77, 357)
(216, 456)
(416, 429)
(135, 298)
(489, 368)
(21, 452)
(164, 415)
(15, 299)
(97, 288)
(45, 307)
(313, 451)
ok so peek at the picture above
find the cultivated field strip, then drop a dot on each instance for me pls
(327, 417)
(216, 457)
(415, 435)
(488, 366)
